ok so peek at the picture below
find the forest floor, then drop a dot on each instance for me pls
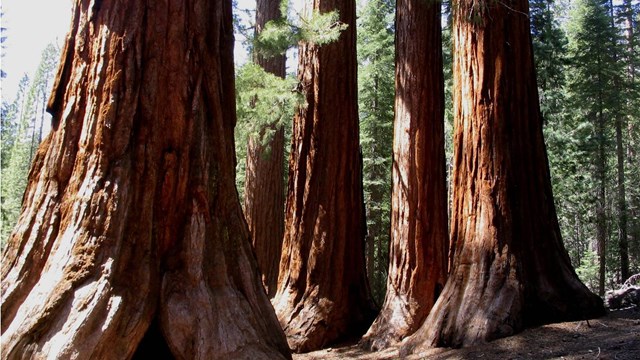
(615, 336)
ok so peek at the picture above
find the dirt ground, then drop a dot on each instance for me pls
(615, 336)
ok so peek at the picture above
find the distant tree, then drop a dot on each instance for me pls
(564, 135)
(510, 269)
(629, 58)
(376, 92)
(549, 49)
(3, 38)
(629, 19)
(595, 103)
(10, 119)
(24, 134)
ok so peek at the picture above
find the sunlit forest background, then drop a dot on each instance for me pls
(587, 56)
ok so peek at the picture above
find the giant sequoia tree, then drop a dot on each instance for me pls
(510, 269)
(131, 224)
(323, 294)
(418, 251)
(264, 185)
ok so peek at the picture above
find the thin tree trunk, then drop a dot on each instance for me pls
(622, 205)
(323, 295)
(419, 240)
(601, 215)
(510, 270)
(33, 145)
(264, 186)
(42, 112)
(372, 267)
(131, 215)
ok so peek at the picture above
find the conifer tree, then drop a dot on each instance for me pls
(595, 103)
(375, 103)
(264, 171)
(29, 112)
(549, 48)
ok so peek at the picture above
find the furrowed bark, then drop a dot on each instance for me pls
(323, 295)
(510, 270)
(131, 212)
(419, 239)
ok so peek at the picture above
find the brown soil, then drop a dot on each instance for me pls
(615, 336)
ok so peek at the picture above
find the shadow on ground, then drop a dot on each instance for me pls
(615, 336)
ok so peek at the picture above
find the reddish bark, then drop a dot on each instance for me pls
(510, 270)
(323, 294)
(419, 239)
(264, 184)
(131, 214)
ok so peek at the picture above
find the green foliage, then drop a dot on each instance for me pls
(22, 131)
(321, 29)
(376, 78)
(263, 99)
(594, 104)
(316, 28)
(549, 47)
(276, 38)
(588, 270)
(564, 134)
(264, 102)
(583, 91)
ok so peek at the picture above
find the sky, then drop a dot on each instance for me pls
(31, 26)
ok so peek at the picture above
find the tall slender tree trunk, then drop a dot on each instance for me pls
(601, 178)
(621, 202)
(510, 269)
(33, 144)
(131, 215)
(264, 181)
(601, 216)
(633, 155)
(42, 112)
(419, 240)
(323, 295)
(372, 268)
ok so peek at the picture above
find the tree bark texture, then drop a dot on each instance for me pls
(264, 184)
(323, 295)
(419, 231)
(131, 214)
(510, 269)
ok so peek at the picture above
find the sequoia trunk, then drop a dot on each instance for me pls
(323, 294)
(510, 270)
(418, 251)
(264, 184)
(131, 216)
